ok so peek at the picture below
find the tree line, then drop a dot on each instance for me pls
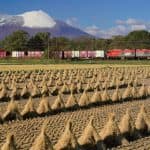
(21, 41)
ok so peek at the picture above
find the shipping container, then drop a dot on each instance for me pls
(100, 54)
(68, 54)
(83, 54)
(35, 54)
(91, 54)
(18, 54)
(129, 53)
(115, 53)
(142, 53)
(2, 53)
(75, 54)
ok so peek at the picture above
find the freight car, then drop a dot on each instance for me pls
(84, 54)
(2, 53)
(128, 54)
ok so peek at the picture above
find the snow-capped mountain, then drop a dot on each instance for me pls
(37, 21)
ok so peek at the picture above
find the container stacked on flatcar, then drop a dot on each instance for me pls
(114, 53)
(2, 53)
(143, 53)
(84, 54)
(18, 54)
(35, 54)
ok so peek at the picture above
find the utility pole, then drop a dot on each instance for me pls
(48, 49)
(48, 46)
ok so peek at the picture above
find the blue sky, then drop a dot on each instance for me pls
(99, 16)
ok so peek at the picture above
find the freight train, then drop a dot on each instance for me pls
(84, 54)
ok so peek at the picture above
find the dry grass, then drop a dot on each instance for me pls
(48, 95)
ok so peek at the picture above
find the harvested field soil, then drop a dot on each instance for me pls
(94, 118)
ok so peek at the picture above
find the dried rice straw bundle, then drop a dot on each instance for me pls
(58, 103)
(10, 143)
(126, 125)
(72, 101)
(113, 82)
(84, 99)
(67, 140)
(35, 92)
(59, 82)
(98, 86)
(3, 93)
(65, 89)
(89, 87)
(105, 84)
(127, 93)
(25, 92)
(140, 123)
(105, 96)
(45, 90)
(12, 111)
(44, 106)
(50, 82)
(31, 84)
(96, 97)
(42, 142)
(80, 87)
(90, 137)
(143, 91)
(116, 95)
(43, 83)
(110, 134)
(73, 88)
(14, 93)
(148, 90)
(29, 108)
(55, 90)
(135, 93)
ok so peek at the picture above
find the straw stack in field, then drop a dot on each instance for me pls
(140, 123)
(35, 92)
(67, 140)
(110, 134)
(44, 106)
(29, 108)
(10, 143)
(116, 95)
(58, 103)
(12, 111)
(127, 93)
(84, 99)
(65, 89)
(42, 142)
(72, 101)
(105, 95)
(90, 137)
(96, 97)
(126, 125)
(143, 91)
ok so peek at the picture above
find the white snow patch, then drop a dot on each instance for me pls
(37, 19)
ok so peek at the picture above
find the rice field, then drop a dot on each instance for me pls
(74, 107)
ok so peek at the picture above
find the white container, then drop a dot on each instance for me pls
(75, 54)
(17, 54)
(100, 53)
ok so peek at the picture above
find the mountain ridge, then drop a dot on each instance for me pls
(39, 22)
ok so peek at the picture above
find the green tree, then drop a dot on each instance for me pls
(118, 42)
(39, 41)
(17, 41)
(138, 39)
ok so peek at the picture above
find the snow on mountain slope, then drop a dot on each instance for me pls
(37, 19)
(11, 20)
